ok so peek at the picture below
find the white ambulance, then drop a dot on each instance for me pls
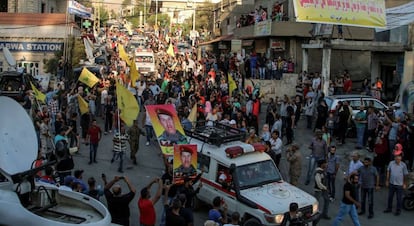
(145, 61)
(252, 185)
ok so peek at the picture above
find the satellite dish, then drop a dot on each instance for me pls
(9, 57)
(18, 138)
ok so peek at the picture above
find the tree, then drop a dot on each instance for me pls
(204, 15)
(51, 65)
(103, 14)
(85, 3)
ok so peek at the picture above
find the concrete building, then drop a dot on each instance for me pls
(34, 31)
(362, 51)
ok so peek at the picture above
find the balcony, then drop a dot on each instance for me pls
(301, 30)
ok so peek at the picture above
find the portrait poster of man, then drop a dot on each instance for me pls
(167, 127)
(185, 162)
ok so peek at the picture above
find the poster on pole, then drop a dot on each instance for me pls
(368, 13)
(184, 162)
(167, 127)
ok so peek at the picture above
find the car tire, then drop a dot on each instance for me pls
(252, 222)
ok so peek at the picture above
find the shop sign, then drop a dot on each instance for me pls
(263, 28)
(277, 44)
(236, 45)
(32, 46)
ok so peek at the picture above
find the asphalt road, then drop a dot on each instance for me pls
(150, 165)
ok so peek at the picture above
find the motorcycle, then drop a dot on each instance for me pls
(408, 200)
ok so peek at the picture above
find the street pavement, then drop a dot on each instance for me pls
(150, 165)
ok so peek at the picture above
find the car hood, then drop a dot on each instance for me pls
(277, 196)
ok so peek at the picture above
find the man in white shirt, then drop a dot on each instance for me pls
(276, 147)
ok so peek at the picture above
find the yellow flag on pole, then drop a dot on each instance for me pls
(170, 50)
(88, 78)
(192, 117)
(37, 94)
(134, 74)
(83, 105)
(123, 55)
(232, 84)
(127, 104)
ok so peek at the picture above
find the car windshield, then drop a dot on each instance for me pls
(257, 174)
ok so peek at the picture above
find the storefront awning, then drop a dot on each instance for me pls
(221, 38)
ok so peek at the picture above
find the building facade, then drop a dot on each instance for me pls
(33, 31)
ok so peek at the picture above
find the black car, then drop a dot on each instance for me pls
(14, 84)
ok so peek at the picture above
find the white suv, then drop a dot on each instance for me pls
(254, 186)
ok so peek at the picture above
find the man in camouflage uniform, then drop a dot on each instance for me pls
(294, 157)
(134, 133)
(170, 136)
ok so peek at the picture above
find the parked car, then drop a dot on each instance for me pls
(355, 101)
(14, 84)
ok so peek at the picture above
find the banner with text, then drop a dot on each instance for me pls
(80, 10)
(367, 13)
(32, 46)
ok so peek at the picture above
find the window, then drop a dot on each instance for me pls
(224, 177)
(355, 104)
(30, 67)
(203, 162)
(4, 6)
(1, 66)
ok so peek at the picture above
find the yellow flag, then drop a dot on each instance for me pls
(170, 50)
(83, 105)
(37, 94)
(192, 117)
(127, 103)
(88, 78)
(123, 55)
(232, 84)
(133, 73)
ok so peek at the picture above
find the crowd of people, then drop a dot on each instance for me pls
(183, 80)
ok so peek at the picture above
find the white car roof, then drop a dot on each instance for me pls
(219, 153)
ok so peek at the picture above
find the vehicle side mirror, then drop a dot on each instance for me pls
(232, 168)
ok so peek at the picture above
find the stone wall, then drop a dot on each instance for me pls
(274, 88)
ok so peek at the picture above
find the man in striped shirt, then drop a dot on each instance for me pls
(120, 141)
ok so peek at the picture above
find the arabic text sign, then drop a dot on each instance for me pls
(362, 13)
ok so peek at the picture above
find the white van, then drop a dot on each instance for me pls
(254, 187)
(145, 61)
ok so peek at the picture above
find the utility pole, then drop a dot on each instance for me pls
(145, 12)
(156, 13)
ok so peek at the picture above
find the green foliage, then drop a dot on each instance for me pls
(163, 20)
(85, 3)
(51, 65)
(78, 51)
(103, 14)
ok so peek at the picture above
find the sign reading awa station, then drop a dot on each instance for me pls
(31, 46)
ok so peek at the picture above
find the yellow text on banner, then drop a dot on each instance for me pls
(368, 13)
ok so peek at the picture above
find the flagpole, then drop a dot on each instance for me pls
(119, 122)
